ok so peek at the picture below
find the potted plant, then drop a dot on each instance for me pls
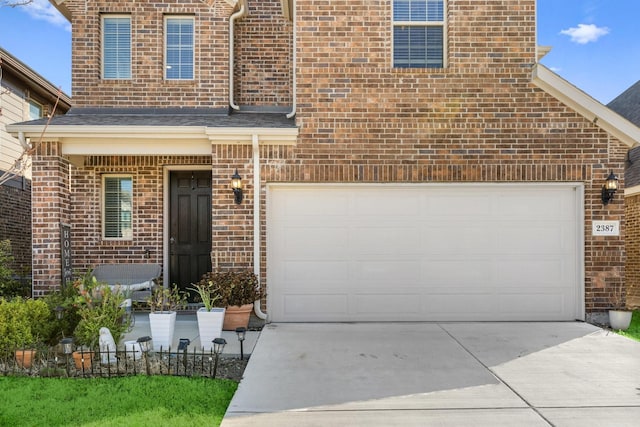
(619, 314)
(210, 317)
(164, 303)
(22, 322)
(237, 291)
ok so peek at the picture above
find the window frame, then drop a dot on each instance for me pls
(166, 66)
(123, 235)
(32, 103)
(103, 34)
(426, 23)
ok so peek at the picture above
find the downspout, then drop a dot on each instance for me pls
(294, 61)
(232, 19)
(256, 221)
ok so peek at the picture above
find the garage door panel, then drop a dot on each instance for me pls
(544, 305)
(316, 242)
(307, 272)
(384, 240)
(397, 205)
(369, 304)
(471, 240)
(386, 271)
(441, 203)
(419, 252)
(456, 272)
(539, 271)
(315, 306)
(535, 239)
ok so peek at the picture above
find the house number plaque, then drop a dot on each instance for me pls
(606, 228)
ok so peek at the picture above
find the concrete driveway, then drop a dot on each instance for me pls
(444, 374)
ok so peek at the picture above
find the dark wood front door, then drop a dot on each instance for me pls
(189, 226)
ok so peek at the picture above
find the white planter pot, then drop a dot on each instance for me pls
(162, 324)
(209, 326)
(620, 319)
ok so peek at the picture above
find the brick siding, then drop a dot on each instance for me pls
(15, 222)
(479, 120)
(632, 266)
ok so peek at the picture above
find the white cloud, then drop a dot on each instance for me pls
(583, 33)
(43, 10)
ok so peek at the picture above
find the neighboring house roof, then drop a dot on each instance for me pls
(33, 80)
(627, 104)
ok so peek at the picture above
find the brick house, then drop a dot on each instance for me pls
(24, 95)
(399, 160)
(627, 104)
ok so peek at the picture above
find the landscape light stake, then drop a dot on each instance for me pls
(241, 331)
(67, 349)
(145, 345)
(182, 345)
(218, 346)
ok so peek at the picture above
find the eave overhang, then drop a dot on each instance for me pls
(597, 113)
(150, 140)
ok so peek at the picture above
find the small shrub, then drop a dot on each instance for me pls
(98, 306)
(166, 299)
(9, 286)
(67, 298)
(233, 287)
(23, 323)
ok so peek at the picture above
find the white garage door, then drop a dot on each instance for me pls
(421, 252)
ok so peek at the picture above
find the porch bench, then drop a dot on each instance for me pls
(137, 280)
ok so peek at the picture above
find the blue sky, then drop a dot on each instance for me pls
(596, 43)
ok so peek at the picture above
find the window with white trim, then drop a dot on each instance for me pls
(418, 33)
(117, 221)
(179, 44)
(36, 111)
(116, 47)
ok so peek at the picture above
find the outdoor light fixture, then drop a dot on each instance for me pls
(218, 346)
(59, 312)
(183, 343)
(67, 349)
(241, 331)
(145, 344)
(609, 188)
(236, 185)
(67, 345)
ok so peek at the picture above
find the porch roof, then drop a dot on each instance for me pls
(143, 131)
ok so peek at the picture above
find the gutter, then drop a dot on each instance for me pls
(294, 65)
(232, 19)
(256, 220)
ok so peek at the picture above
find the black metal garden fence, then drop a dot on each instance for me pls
(53, 362)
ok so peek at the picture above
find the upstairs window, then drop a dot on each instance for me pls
(117, 207)
(418, 33)
(179, 48)
(116, 47)
(35, 110)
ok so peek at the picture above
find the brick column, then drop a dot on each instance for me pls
(50, 206)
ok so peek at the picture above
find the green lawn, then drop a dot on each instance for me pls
(129, 401)
(634, 330)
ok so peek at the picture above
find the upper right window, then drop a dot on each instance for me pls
(418, 33)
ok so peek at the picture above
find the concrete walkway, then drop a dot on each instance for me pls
(448, 374)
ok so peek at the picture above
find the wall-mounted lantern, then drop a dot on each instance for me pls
(609, 188)
(236, 185)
